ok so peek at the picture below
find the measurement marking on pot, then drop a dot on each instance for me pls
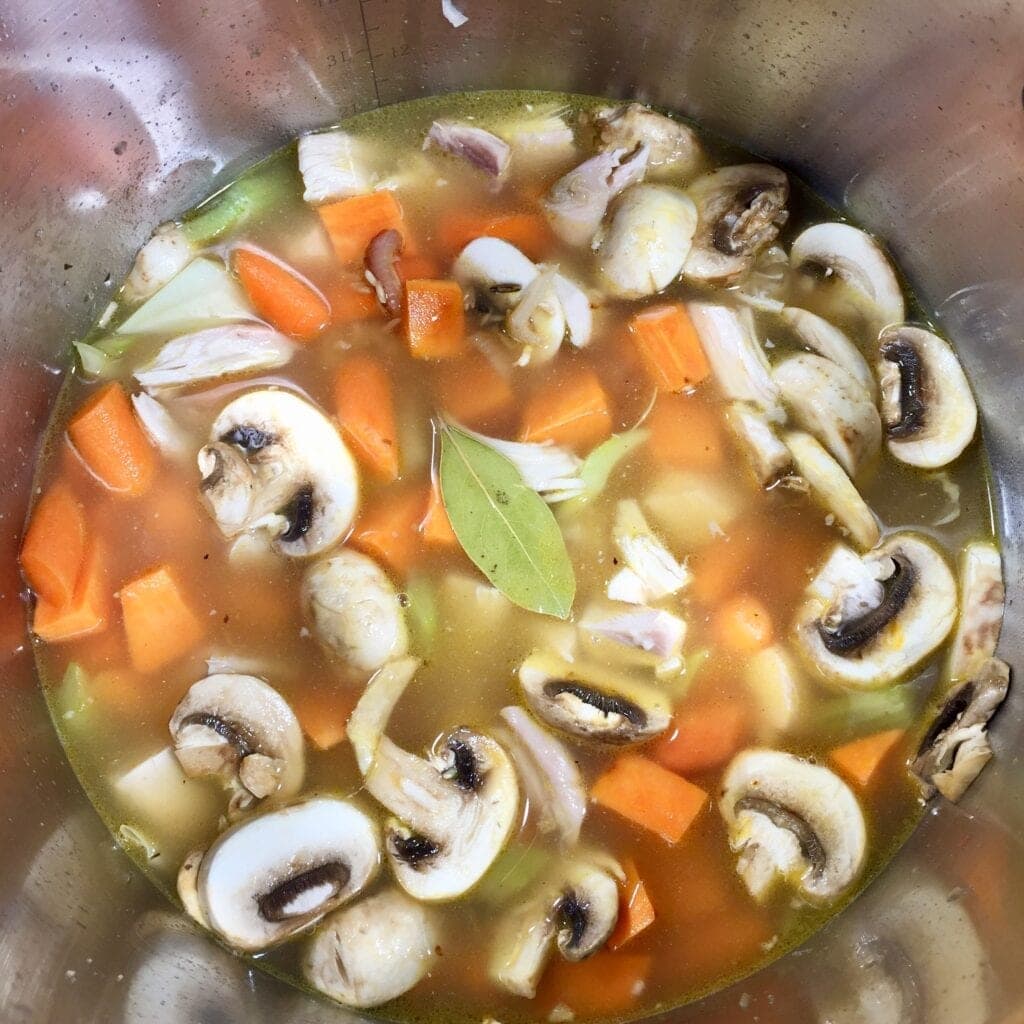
(369, 49)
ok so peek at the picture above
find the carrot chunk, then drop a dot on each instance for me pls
(53, 551)
(389, 529)
(109, 439)
(434, 319)
(720, 566)
(528, 232)
(283, 298)
(701, 737)
(669, 346)
(436, 527)
(649, 795)
(365, 406)
(605, 984)
(413, 266)
(324, 716)
(743, 624)
(686, 433)
(353, 222)
(472, 392)
(860, 760)
(570, 410)
(636, 912)
(88, 610)
(159, 622)
(352, 301)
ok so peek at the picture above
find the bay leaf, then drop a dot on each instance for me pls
(505, 528)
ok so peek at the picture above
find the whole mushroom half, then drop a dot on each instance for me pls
(870, 619)
(373, 951)
(792, 820)
(355, 610)
(740, 210)
(270, 876)
(275, 463)
(454, 809)
(239, 727)
(589, 704)
(929, 411)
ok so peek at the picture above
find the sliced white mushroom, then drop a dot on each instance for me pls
(591, 703)
(767, 454)
(273, 875)
(373, 951)
(643, 248)
(740, 211)
(840, 251)
(793, 821)
(646, 557)
(481, 148)
(832, 488)
(494, 273)
(821, 337)
(332, 166)
(537, 320)
(982, 595)
(576, 203)
(828, 402)
(575, 912)
(187, 885)
(674, 147)
(231, 350)
(738, 363)
(956, 748)
(238, 727)
(929, 412)
(773, 681)
(276, 463)
(454, 809)
(869, 620)
(166, 253)
(355, 610)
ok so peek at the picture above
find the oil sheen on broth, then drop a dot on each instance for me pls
(700, 697)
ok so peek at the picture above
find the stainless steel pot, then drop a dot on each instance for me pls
(115, 114)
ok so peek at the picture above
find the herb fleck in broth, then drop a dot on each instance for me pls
(691, 477)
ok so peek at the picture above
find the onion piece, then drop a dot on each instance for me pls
(158, 423)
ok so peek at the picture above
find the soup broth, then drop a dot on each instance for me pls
(182, 597)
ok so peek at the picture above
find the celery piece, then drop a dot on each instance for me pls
(203, 292)
(72, 699)
(678, 684)
(93, 361)
(858, 714)
(231, 207)
(513, 870)
(422, 613)
(599, 465)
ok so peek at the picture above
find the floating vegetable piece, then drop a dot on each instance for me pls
(434, 320)
(776, 690)
(505, 528)
(571, 409)
(493, 273)
(332, 166)
(927, 406)
(824, 339)
(166, 254)
(161, 427)
(982, 595)
(669, 347)
(281, 296)
(476, 146)
(598, 466)
(537, 320)
(792, 820)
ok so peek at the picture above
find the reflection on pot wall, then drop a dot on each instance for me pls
(114, 116)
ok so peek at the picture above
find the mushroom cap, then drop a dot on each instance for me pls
(740, 210)
(832, 249)
(237, 724)
(494, 272)
(850, 587)
(373, 951)
(276, 463)
(929, 411)
(587, 910)
(272, 875)
(825, 339)
(590, 703)
(791, 819)
(830, 403)
(644, 247)
(537, 320)
(355, 610)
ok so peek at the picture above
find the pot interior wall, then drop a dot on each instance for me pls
(116, 115)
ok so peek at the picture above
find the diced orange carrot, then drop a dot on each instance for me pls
(160, 624)
(434, 319)
(472, 392)
(53, 551)
(436, 527)
(280, 295)
(605, 984)
(743, 624)
(353, 222)
(389, 528)
(702, 736)
(569, 410)
(528, 232)
(650, 796)
(352, 301)
(860, 760)
(685, 432)
(719, 566)
(87, 612)
(669, 346)
(365, 406)
(110, 440)
(324, 716)
(412, 267)
(636, 912)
